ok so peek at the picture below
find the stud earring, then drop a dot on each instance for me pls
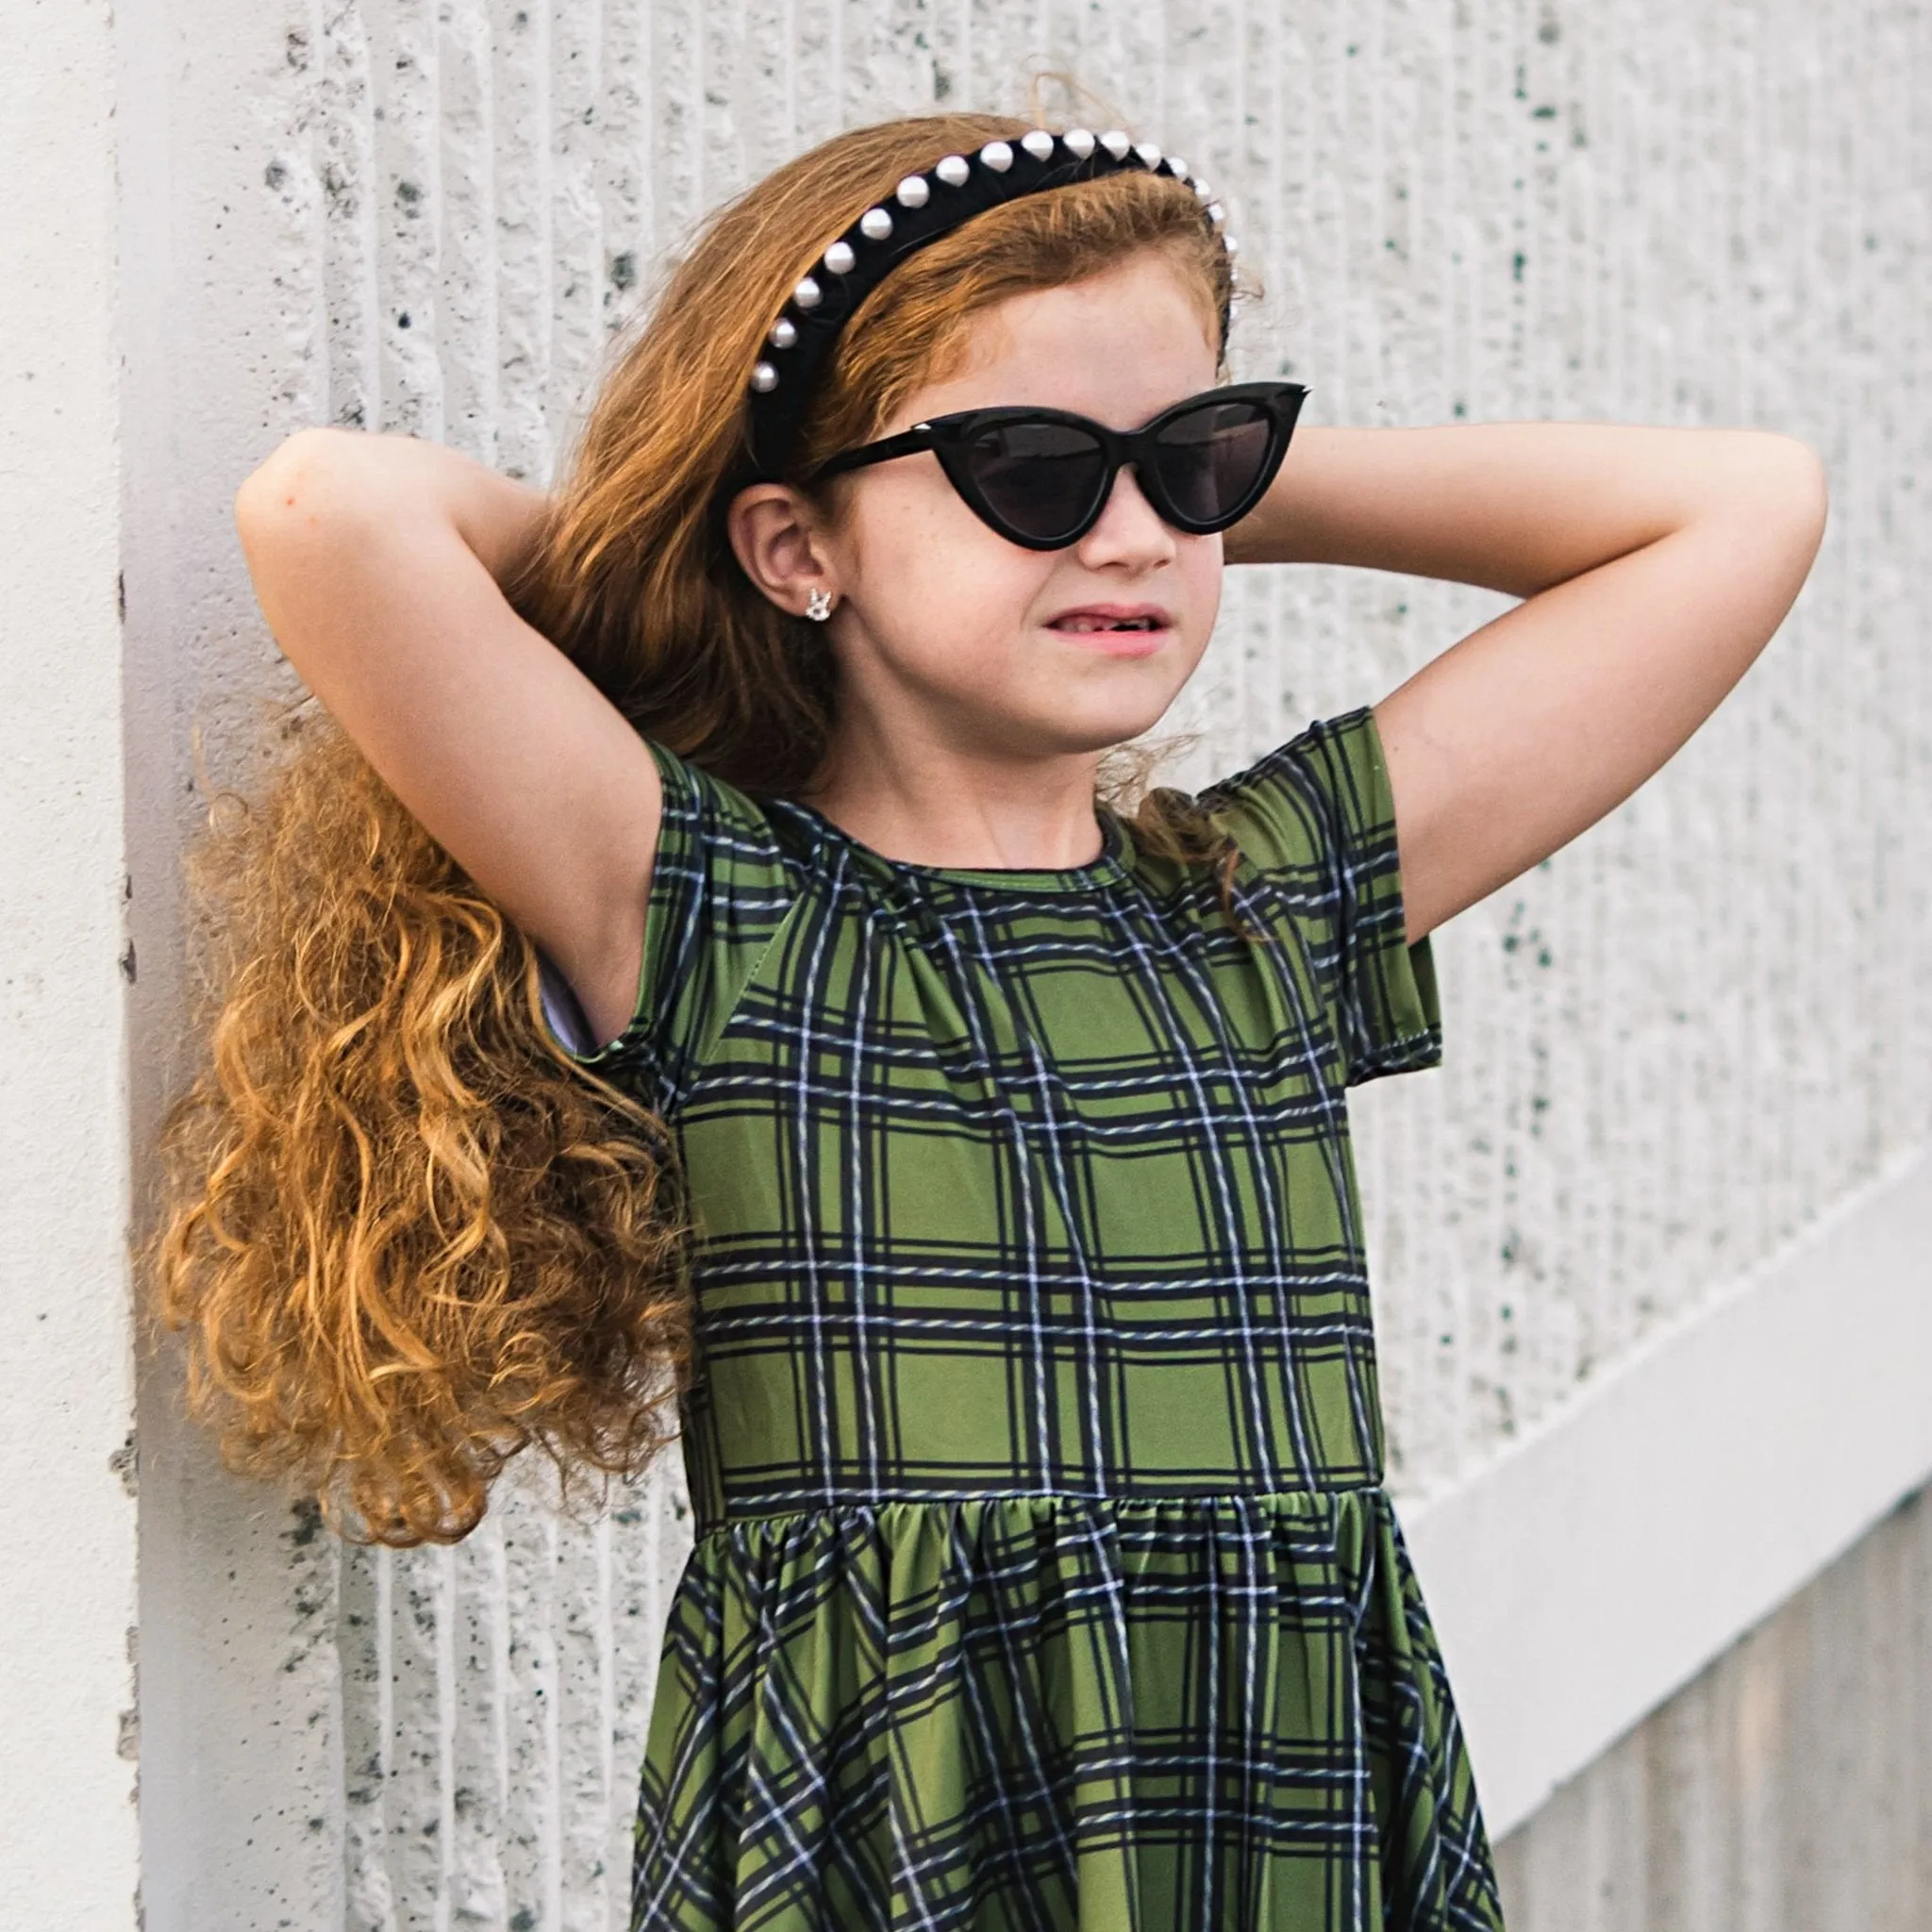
(818, 606)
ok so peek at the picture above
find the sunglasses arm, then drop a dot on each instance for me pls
(908, 443)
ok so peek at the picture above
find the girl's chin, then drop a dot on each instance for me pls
(1087, 717)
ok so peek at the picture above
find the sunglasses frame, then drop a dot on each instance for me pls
(948, 437)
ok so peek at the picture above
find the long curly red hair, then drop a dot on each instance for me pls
(406, 1236)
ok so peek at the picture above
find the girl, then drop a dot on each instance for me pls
(741, 933)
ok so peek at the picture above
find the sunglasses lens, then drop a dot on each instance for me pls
(1209, 459)
(1039, 478)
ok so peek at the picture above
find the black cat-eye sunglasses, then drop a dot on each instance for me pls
(1041, 477)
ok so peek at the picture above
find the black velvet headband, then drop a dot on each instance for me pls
(922, 207)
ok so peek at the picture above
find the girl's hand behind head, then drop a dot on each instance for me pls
(948, 635)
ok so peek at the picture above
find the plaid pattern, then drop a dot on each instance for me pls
(1044, 1576)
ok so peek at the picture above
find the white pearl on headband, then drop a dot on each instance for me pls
(1116, 144)
(997, 156)
(807, 295)
(1150, 154)
(953, 171)
(914, 191)
(1202, 188)
(1230, 244)
(875, 224)
(1215, 213)
(784, 333)
(764, 378)
(1178, 167)
(840, 257)
(1039, 143)
(1079, 141)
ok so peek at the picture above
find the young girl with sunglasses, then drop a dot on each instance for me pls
(738, 986)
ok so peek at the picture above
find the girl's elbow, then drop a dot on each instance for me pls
(294, 492)
(1793, 475)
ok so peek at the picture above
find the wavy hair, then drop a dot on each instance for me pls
(406, 1234)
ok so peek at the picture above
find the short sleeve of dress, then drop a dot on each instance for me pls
(720, 890)
(1315, 824)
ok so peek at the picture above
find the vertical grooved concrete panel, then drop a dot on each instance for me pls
(1670, 1048)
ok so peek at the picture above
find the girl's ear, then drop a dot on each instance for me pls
(774, 536)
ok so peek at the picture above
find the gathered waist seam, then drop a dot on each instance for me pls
(1072, 1499)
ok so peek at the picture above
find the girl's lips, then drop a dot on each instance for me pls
(1115, 630)
(1116, 643)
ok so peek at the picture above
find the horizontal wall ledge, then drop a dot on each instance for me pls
(1599, 1564)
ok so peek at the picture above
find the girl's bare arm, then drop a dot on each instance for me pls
(378, 561)
(1654, 564)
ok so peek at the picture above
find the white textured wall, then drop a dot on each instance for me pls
(1669, 1049)
(67, 1513)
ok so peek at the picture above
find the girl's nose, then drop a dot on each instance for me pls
(1129, 530)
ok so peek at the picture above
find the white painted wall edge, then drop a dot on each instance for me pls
(69, 1851)
(1596, 1566)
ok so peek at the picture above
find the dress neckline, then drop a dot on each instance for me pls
(1108, 867)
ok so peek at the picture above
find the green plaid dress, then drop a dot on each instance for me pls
(1043, 1575)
